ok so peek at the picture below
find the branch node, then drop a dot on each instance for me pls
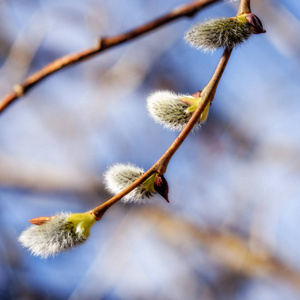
(99, 43)
(19, 90)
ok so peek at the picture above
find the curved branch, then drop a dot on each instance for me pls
(104, 43)
(161, 165)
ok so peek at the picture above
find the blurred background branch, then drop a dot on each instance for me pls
(104, 43)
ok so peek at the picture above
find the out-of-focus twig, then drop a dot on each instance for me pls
(160, 167)
(104, 43)
(39, 177)
(225, 247)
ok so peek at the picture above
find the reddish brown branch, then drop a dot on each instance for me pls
(244, 7)
(161, 165)
(19, 90)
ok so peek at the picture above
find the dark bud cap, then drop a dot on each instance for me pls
(161, 186)
(257, 26)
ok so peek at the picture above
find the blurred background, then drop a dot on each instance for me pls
(231, 230)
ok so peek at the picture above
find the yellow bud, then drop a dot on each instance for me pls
(82, 223)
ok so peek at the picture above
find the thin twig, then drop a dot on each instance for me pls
(104, 43)
(244, 7)
(161, 165)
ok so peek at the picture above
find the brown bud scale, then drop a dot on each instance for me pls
(161, 186)
(40, 220)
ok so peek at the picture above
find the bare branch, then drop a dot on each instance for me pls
(104, 43)
(244, 7)
(161, 165)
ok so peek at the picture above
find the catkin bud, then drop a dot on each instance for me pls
(223, 32)
(174, 110)
(51, 235)
(119, 176)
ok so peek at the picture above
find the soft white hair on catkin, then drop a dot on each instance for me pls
(166, 108)
(217, 33)
(52, 237)
(119, 176)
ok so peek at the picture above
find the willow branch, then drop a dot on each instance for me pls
(161, 165)
(244, 7)
(104, 43)
(207, 96)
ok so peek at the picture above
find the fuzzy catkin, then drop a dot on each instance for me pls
(166, 108)
(52, 237)
(218, 33)
(119, 176)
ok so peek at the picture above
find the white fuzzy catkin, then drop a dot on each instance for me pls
(166, 108)
(119, 176)
(218, 33)
(52, 237)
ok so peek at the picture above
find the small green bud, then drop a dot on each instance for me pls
(223, 32)
(174, 110)
(51, 235)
